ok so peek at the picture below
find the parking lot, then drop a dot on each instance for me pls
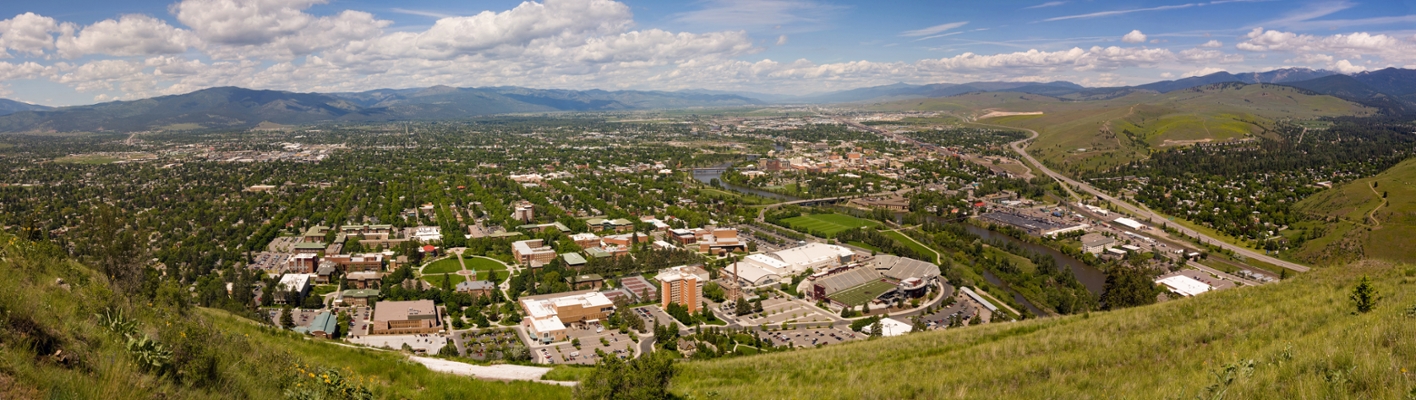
(775, 311)
(590, 340)
(268, 261)
(360, 325)
(812, 337)
(651, 314)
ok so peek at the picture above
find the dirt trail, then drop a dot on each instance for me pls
(1373, 214)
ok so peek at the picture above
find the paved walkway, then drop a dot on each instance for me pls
(501, 372)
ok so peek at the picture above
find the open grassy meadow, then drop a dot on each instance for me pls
(1296, 339)
(1090, 134)
(56, 345)
(1367, 225)
(827, 225)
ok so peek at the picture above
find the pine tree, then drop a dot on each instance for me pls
(287, 319)
(1364, 296)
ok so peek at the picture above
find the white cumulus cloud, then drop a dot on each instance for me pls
(129, 35)
(1134, 37)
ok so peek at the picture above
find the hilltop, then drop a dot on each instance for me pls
(1373, 217)
(1301, 337)
(1090, 134)
(58, 340)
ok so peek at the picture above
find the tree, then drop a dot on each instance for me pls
(1128, 287)
(1364, 296)
(646, 377)
(743, 308)
(876, 328)
(449, 350)
(287, 319)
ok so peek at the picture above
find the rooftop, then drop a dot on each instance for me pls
(402, 310)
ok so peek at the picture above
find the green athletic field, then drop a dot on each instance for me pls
(827, 225)
(449, 264)
(858, 295)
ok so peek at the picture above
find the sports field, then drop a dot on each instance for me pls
(827, 225)
(861, 294)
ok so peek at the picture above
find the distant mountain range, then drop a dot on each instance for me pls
(232, 107)
(1390, 89)
(8, 107)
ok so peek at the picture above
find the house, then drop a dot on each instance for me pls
(682, 285)
(588, 281)
(547, 315)
(1096, 243)
(360, 297)
(476, 288)
(532, 252)
(405, 318)
(364, 279)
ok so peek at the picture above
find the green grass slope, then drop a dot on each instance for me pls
(1081, 135)
(54, 345)
(1362, 224)
(1302, 336)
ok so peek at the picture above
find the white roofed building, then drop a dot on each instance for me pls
(547, 315)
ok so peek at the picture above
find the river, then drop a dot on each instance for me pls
(707, 177)
(1092, 278)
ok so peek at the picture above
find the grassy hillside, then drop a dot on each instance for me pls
(1361, 223)
(1302, 336)
(1081, 135)
(54, 344)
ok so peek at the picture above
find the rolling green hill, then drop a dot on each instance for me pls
(1302, 336)
(1361, 223)
(1084, 135)
(57, 342)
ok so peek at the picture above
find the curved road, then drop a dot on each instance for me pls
(1139, 211)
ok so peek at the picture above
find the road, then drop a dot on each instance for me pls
(1139, 211)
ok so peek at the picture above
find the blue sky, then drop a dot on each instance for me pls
(79, 52)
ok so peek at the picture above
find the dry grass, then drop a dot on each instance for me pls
(1301, 334)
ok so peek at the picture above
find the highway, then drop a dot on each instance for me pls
(1141, 212)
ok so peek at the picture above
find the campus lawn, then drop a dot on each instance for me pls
(480, 264)
(905, 240)
(827, 225)
(437, 279)
(445, 265)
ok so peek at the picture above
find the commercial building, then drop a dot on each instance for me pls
(358, 262)
(1033, 225)
(890, 327)
(1184, 285)
(476, 288)
(588, 281)
(294, 283)
(610, 225)
(720, 241)
(547, 315)
(682, 285)
(360, 297)
(405, 318)
(1129, 223)
(1096, 243)
(325, 325)
(427, 234)
(532, 252)
(364, 280)
(524, 213)
(586, 240)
